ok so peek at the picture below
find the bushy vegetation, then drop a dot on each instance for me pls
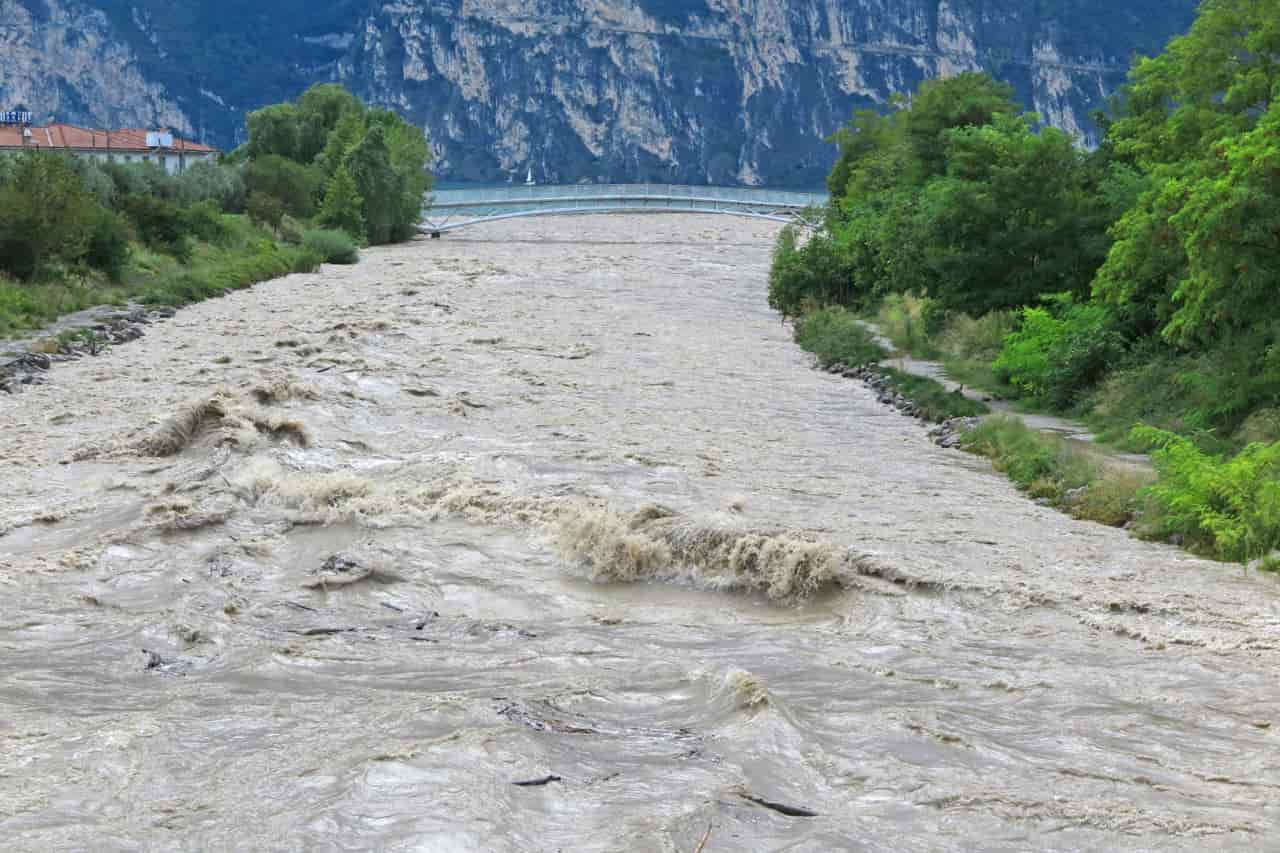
(1132, 284)
(1056, 354)
(911, 323)
(1054, 471)
(77, 232)
(1226, 507)
(836, 336)
(331, 245)
(364, 170)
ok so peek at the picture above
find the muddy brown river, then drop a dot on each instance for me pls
(333, 563)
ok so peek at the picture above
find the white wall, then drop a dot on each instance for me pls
(172, 163)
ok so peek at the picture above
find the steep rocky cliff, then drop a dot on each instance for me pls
(64, 61)
(714, 91)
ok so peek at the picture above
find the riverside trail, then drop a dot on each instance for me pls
(545, 537)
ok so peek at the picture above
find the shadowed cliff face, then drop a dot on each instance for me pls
(714, 91)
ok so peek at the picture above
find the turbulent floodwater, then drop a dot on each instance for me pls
(560, 497)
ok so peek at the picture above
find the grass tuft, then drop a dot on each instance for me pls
(1050, 469)
(931, 398)
(836, 336)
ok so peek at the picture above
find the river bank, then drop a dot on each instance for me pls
(343, 557)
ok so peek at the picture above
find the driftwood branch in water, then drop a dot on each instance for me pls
(780, 808)
(534, 783)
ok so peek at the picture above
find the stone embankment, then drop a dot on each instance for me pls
(946, 433)
(90, 333)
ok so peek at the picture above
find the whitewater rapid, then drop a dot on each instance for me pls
(333, 563)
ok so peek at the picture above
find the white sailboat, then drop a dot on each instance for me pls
(529, 181)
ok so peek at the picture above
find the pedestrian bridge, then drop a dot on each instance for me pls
(449, 210)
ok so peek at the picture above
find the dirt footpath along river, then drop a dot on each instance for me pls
(334, 563)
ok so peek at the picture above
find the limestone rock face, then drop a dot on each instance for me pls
(697, 91)
(65, 62)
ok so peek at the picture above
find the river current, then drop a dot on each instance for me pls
(332, 563)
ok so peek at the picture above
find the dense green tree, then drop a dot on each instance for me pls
(1188, 121)
(47, 216)
(1006, 224)
(864, 142)
(277, 130)
(971, 99)
(1229, 226)
(345, 136)
(295, 151)
(145, 178)
(343, 207)
(410, 154)
(377, 182)
(320, 109)
(294, 185)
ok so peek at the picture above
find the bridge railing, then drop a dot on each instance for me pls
(549, 193)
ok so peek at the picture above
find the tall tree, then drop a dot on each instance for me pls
(1188, 120)
(971, 99)
(276, 129)
(343, 207)
(46, 215)
(370, 166)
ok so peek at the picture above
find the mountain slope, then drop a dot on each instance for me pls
(699, 91)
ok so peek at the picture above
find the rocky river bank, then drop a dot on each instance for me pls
(26, 362)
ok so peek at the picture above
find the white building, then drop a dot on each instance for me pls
(119, 146)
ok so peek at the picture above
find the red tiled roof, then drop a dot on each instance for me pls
(127, 140)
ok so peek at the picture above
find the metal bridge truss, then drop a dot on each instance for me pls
(449, 210)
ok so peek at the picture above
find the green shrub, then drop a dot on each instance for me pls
(291, 231)
(226, 270)
(206, 181)
(835, 336)
(303, 259)
(1229, 508)
(95, 178)
(1056, 358)
(160, 224)
(1262, 426)
(46, 216)
(265, 209)
(204, 221)
(1023, 455)
(1222, 399)
(109, 244)
(335, 247)
(146, 178)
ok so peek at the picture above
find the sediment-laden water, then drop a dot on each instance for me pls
(332, 563)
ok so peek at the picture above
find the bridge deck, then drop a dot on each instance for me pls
(449, 210)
